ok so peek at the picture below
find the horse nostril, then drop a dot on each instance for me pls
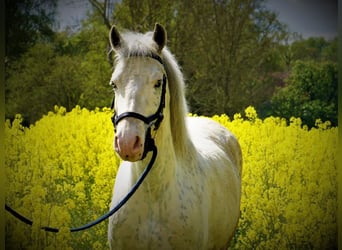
(128, 148)
(116, 144)
(137, 144)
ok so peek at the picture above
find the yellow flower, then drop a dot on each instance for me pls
(61, 173)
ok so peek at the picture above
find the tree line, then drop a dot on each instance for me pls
(233, 53)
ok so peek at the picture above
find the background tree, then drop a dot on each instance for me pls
(67, 70)
(311, 93)
(233, 43)
(27, 22)
(104, 10)
(225, 47)
(40, 80)
(233, 53)
(313, 48)
(96, 65)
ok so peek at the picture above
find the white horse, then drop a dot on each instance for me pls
(191, 197)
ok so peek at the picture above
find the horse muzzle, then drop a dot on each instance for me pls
(129, 150)
(128, 142)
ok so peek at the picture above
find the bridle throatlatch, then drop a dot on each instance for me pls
(152, 120)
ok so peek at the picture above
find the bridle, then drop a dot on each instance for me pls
(151, 120)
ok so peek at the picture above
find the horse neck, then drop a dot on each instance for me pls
(172, 139)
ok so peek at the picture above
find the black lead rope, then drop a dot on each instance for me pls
(153, 148)
(153, 120)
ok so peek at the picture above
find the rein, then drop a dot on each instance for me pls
(155, 120)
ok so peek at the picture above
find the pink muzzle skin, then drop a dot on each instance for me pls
(129, 148)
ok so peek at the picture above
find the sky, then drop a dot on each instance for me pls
(307, 17)
(70, 13)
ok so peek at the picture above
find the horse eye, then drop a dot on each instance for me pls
(158, 84)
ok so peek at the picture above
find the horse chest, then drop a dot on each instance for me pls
(168, 222)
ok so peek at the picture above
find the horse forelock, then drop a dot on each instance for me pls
(137, 44)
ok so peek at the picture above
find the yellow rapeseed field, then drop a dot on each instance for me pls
(61, 171)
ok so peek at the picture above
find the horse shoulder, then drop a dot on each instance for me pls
(209, 137)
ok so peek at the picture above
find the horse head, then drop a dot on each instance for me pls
(139, 83)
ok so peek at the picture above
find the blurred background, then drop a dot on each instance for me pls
(278, 56)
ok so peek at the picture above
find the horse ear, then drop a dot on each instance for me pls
(115, 38)
(159, 36)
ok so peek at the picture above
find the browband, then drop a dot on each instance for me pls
(152, 55)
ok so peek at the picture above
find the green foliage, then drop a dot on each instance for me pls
(95, 66)
(225, 48)
(232, 54)
(27, 22)
(71, 71)
(311, 93)
(313, 48)
(40, 80)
